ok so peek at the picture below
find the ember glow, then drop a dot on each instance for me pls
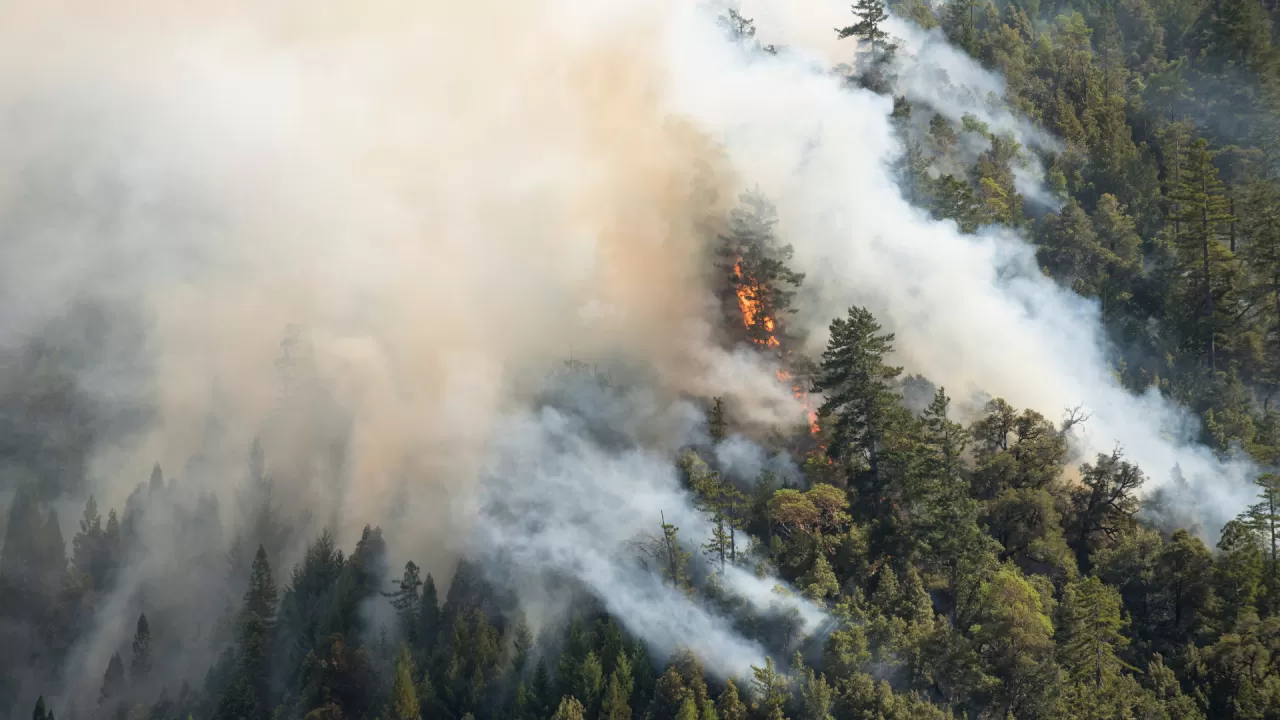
(750, 305)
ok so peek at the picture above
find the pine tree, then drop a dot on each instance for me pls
(1201, 206)
(569, 709)
(1104, 506)
(32, 555)
(429, 624)
(39, 712)
(1259, 210)
(769, 686)
(588, 682)
(404, 697)
(249, 696)
(88, 547)
(1238, 573)
(716, 425)
(1264, 518)
(522, 645)
(1118, 236)
(113, 682)
(729, 706)
(665, 551)
(1092, 630)
(407, 602)
(871, 16)
(817, 695)
(820, 582)
(140, 668)
(616, 704)
(260, 598)
(758, 288)
(859, 389)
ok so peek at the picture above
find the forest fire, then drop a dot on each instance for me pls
(749, 303)
(798, 391)
(748, 292)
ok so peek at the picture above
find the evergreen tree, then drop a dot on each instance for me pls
(1104, 507)
(404, 696)
(728, 705)
(1264, 518)
(616, 704)
(522, 644)
(668, 555)
(758, 288)
(89, 546)
(1238, 573)
(1091, 631)
(716, 425)
(859, 391)
(871, 16)
(429, 628)
(407, 602)
(1200, 209)
(260, 598)
(817, 697)
(140, 668)
(569, 709)
(769, 687)
(688, 710)
(113, 683)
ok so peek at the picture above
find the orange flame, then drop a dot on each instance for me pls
(749, 305)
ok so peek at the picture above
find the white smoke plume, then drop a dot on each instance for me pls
(568, 492)
(973, 314)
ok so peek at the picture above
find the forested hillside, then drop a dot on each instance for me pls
(917, 562)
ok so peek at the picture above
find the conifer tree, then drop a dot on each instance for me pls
(407, 602)
(569, 709)
(404, 696)
(617, 696)
(1106, 503)
(1264, 518)
(113, 683)
(140, 667)
(1092, 631)
(871, 16)
(859, 389)
(688, 710)
(1201, 207)
(717, 428)
(758, 288)
(430, 623)
(729, 706)
(260, 598)
(88, 547)
(817, 695)
(1238, 573)
(522, 645)
(769, 687)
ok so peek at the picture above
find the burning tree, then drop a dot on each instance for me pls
(758, 291)
(759, 286)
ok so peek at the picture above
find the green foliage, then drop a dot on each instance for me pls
(968, 570)
(404, 696)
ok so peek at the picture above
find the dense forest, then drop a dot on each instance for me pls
(965, 569)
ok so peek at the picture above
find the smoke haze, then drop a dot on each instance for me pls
(361, 233)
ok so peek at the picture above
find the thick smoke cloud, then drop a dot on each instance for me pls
(972, 313)
(442, 199)
(574, 484)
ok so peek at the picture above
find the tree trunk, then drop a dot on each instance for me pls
(1208, 287)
